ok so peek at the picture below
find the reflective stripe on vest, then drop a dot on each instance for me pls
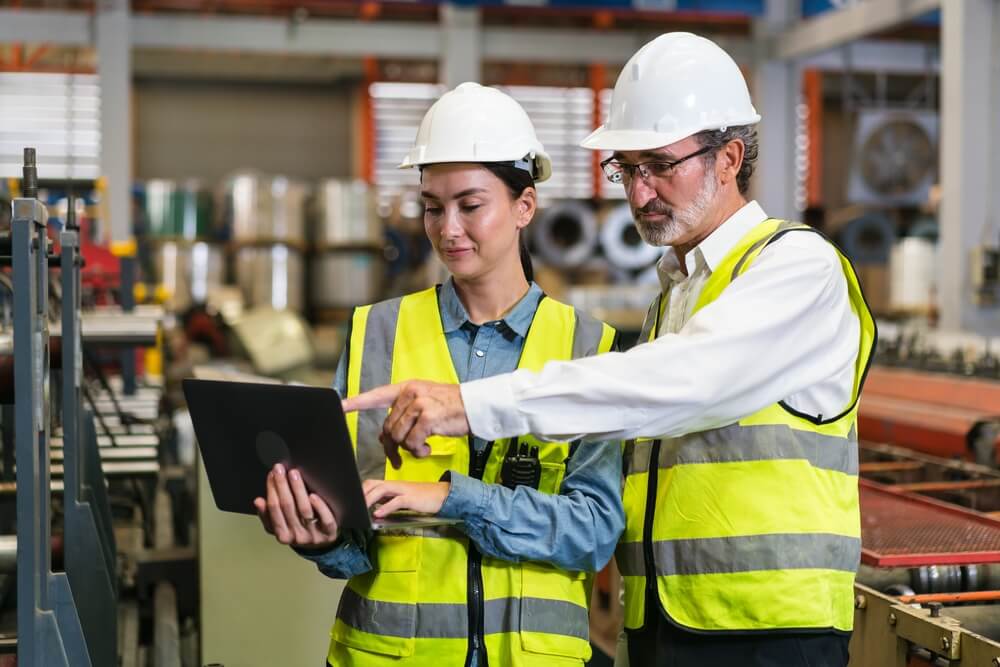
(414, 604)
(435, 620)
(764, 442)
(716, 555)
(755, 525)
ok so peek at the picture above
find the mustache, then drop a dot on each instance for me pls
(655, 207)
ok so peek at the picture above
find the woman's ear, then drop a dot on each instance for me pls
(525, 207)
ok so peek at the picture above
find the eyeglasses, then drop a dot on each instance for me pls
(623, 172)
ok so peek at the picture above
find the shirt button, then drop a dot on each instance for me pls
(479, 353)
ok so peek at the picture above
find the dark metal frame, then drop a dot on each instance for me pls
(48, 626)
(63, 619)
(90, 541)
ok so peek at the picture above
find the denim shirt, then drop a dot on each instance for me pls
(576, 529)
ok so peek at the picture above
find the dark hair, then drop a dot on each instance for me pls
(517, 181)
(716, 139)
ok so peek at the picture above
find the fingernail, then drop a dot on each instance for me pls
(280, 469)
(295, 475)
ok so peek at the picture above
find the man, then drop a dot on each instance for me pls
(743, 530)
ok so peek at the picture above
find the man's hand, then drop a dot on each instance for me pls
(423, 497)
(292, 514)
(418, 410)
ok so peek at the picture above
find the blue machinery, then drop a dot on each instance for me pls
(63, 619)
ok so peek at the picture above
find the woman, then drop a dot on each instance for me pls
(510, 585)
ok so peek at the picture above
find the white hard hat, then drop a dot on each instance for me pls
(675, 86)
(474, 123)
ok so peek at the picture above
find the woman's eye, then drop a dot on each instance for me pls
(469, 208)
(432, 211)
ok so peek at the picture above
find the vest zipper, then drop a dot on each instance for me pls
(647, 530)
(476, 605)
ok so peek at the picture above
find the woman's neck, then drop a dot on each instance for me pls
(490, 297)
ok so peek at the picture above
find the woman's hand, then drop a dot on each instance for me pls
(293, 515)
(423, 497)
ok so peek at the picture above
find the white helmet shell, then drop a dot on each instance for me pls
(675, 86)
(474, 123)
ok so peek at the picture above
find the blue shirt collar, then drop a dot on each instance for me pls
(518, 318)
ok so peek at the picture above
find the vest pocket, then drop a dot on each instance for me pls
(446, 454)
(551, 478)
(554, 619)
(396, 553)
(378, 610)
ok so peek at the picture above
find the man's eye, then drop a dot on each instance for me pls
(660, 168)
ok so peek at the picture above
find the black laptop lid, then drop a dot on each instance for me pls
(244, 428)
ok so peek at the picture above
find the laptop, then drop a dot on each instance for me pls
(244, 428)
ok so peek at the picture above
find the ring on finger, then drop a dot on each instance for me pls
(311, 521)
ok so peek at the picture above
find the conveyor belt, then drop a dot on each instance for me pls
(900, 529)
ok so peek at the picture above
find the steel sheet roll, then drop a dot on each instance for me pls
(264, 209)
(178, 211)
(346, 215)
(345, 279)
(868, 239)
(187, 271)
(565, 235)
(271, 276)
(621, 242)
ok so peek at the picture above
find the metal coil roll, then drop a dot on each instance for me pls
(265, 209)
(271, 276)
(178, 211)
(868, 239)
(187, 271)
(621, 242)
(346, 215)
(565, 235)
(344, 279)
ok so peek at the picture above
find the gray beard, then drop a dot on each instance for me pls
(679, 223)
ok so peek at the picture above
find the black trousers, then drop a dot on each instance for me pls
(662, 644)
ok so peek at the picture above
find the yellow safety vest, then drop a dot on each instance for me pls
(431, 595)
(754, 526)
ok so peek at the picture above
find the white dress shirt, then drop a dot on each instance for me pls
(783, 330)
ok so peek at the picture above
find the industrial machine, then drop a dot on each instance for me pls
(929, 584)
(83, 466)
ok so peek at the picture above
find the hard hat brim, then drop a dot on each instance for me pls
(629, 140)
(542, 162)
(603, 139)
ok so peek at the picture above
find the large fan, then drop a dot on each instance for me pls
(895, 157)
